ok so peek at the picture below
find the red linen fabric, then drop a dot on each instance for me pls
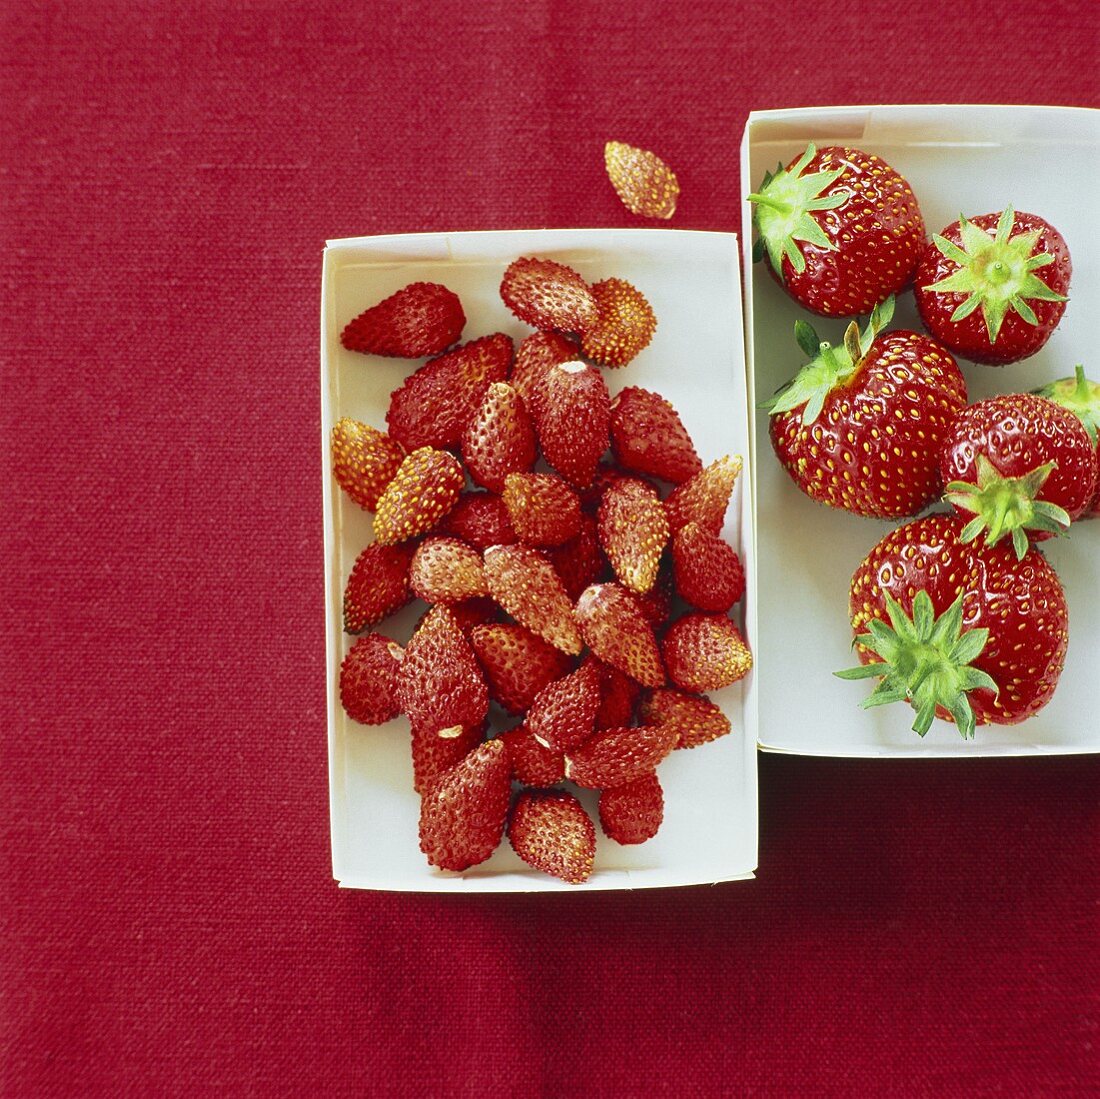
(168, 924)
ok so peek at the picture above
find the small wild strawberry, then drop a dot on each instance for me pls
(615, 628)
(546, 294)
(499, 439)
(551, 832)
(423, 318)
(572, 412)
(648, 436)
(378, 585)
(633, 813)
(517, 663)
(695, 718)
(645, 184)
(613, 757)
(706, 569)
(424, 489)
(705, 652)
(543, 509)
(447, 570)
(624, 324)
(633, 531)
(364, 461)
(368, 680)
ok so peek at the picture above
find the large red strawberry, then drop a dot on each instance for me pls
(572, 412)
(499, 439)
(551, 832)
(524, 583)
(960, 630)
(633, 813)
(463, 812)
(648, 436)
(546, 294)
(422, 318)
(368, 679)
(1018, 465)
(613, 757)
(841, 230)
(435, 403)
(517, 663)
(861, 424)
(705, 652)
(633, 531)
(615, 628)
(993, 288)
(378, 585)
(424, 489)
(364, 461)
(624, 324)
(1081, 396)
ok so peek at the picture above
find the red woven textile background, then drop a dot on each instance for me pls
(168, 924)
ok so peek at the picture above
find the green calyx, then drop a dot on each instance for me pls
(782, 210)
(996, 273)
(1006, 505)
(926, 661)
(1079, 395)
(829, 366)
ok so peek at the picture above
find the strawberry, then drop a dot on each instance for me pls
(534, 356)
(645, 184)
(547, 294)
(564, 712)
(993, 288)
(705, 652)
(960, 630)
(422, 318)
(1018, 465)
(424, 489)
(695, 718)
(526, 586)
(481, 519)
(435, 403)
(619, 695)
(633, 530)
(533, 764)
(860, 426)
(440, 685)
(633, 813)
(447, 570)
(364, 461)
(648, 436)
(624, 324)
(499, 439)
(840, 228)
(1081, 396)
(551, 832)
(368, 680)
(580, 561)
(614, 757)
(656, 604)
(572, 412)
(543, 509)
(704, 499)
(517, 663)
(614, 627)
(463, 812)
(706, 569)
(378, 585)
(437, 750)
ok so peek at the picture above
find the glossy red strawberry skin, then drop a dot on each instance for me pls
(695, 718)
(548, 295)
(873, 448)
(447, 570)
(633, 530)
(648, 436)
(437, 750)
(1021, 603)
(423, 318)
(543, 509)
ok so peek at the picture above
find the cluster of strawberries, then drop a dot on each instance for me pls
(879, 425)
(551, 590)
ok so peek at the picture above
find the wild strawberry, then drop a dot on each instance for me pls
(705, 652)
(706, 569)
(656, 604)
(1081, 396)
(633, 813)
(364, 461)
(446, 570)
(422, 318)
(993, 288)
(378, 585)
(547, 294)
(633, 530)
(613, 757)
(440, 685)
(960, 630)
(564, 712)
(704, 499)
(533, 764)
(437, 750)
(624, 324)
(424, 489)
(525, 584)
(648, 436)
(517, 664)
(860, 426)
(551, 832)
(615, 629)
(499, 439)
(619, 695)
(368, 680)
(534, 356)
(1018, 465)
(580, 561)
(543, 509)
(435, 403)
(480, 519)
(695, 718)
(645, 184)
(572, 411)
(463, 812)
(840, 228)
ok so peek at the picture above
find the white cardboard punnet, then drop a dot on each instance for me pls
(696, 360)
(959, 160)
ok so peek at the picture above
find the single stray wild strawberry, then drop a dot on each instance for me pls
(378, 585)
(841, 230)
(706, 569)
(572, 413)
(364, 461)
(368, 680)
(551, 832)
(499, 439)
(624, 324)
(1081, 396)
(615, 628)
(705, 652)
(633, 813)
(423, 318)
(645, 184)
(648, 436)
(423, 490)
(546, 294)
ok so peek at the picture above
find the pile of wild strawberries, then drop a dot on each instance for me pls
(551, 585)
